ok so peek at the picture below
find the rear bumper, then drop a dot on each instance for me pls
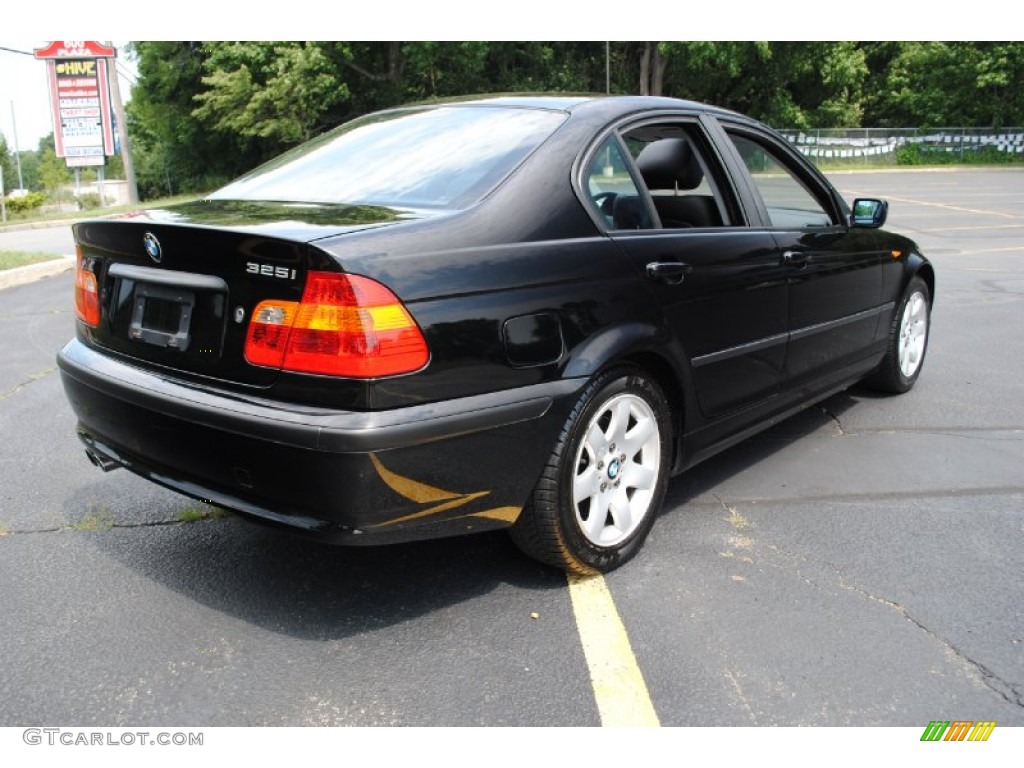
(360, 477)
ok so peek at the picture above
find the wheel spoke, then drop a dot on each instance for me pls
(638, 476)
(620, 421)
(594, 524)
(644, 430)
(622, 513)
(596, 441)
(584, 484)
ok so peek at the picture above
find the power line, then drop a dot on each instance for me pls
(12, 50)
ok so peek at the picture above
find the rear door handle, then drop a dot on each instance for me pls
(671, 272)
(796, 258)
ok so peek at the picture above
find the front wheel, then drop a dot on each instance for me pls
(908, 341)
(605, 481)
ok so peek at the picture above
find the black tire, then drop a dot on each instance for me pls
(605, 481)
(907, 343)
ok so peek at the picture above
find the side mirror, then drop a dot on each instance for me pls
(869, 213)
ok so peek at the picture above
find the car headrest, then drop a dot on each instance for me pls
(668, 163)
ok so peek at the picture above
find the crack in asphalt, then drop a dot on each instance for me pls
(1004, 689)
(952, 493)
(102, 527)
(991, 680)
(33, 377)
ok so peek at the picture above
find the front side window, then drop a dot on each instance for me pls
(790, 204)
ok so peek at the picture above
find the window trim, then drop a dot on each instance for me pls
(582, 189)
(808, 176)
(728, 185)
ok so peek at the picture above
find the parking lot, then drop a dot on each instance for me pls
(859, 564)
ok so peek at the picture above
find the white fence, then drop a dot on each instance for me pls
(881, 144)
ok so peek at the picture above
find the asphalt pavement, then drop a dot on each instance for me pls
(859, 564)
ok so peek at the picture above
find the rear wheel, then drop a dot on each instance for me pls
(908, 341)
(605, 480)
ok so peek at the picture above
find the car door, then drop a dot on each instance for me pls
(719, 283)
(834, 271)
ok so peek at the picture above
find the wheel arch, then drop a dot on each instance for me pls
(924, 270)
(643, 346)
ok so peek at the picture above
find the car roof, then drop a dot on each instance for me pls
(583, 103)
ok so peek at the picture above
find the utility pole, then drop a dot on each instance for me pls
(607, 66)
(122, 132)
(17, 150)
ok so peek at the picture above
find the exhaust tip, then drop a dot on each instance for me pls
(101, 461)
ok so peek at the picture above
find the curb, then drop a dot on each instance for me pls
(32, 272)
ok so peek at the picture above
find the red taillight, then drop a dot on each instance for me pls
(345, 325)
(87, 294)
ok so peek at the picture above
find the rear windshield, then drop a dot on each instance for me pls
(442, 157)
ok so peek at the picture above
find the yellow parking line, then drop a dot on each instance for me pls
(952, 207)
(619, 687)
(1011, 249)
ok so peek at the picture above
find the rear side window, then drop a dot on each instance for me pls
(444, 157)
(612, 191)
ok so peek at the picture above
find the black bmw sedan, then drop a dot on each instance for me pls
(510, 312)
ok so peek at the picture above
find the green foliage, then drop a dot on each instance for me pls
(925, 154)
(25, 203)
(95, 521)
(12, 259)
(88, 201)
(203, 113)
(7, 164)
(793, 85)
(276, 91)
(196, 512)
(954, 83)
(53, 173)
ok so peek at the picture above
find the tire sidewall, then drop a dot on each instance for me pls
(603, 389)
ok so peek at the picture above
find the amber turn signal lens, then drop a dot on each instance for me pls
(345, 325)
(87, 295)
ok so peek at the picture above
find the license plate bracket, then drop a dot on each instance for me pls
(162, 315)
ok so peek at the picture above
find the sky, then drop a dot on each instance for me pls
(23, 84)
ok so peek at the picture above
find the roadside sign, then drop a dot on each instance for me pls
(80, 100)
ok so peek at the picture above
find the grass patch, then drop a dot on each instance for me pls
(197, 512)
(95, 521)
(12, 259)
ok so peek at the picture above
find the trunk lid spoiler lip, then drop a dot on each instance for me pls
(298, 222)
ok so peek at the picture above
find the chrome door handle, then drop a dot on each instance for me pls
(796, 258)
(671, 272)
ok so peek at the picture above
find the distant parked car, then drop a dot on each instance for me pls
(508, 312)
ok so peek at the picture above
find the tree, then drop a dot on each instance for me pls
(958, 83)
(173, 150)
(54, 174)
(275, 91)
(792, 85)
(9, 168)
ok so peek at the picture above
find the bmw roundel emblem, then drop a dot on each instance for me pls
(152, 246)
